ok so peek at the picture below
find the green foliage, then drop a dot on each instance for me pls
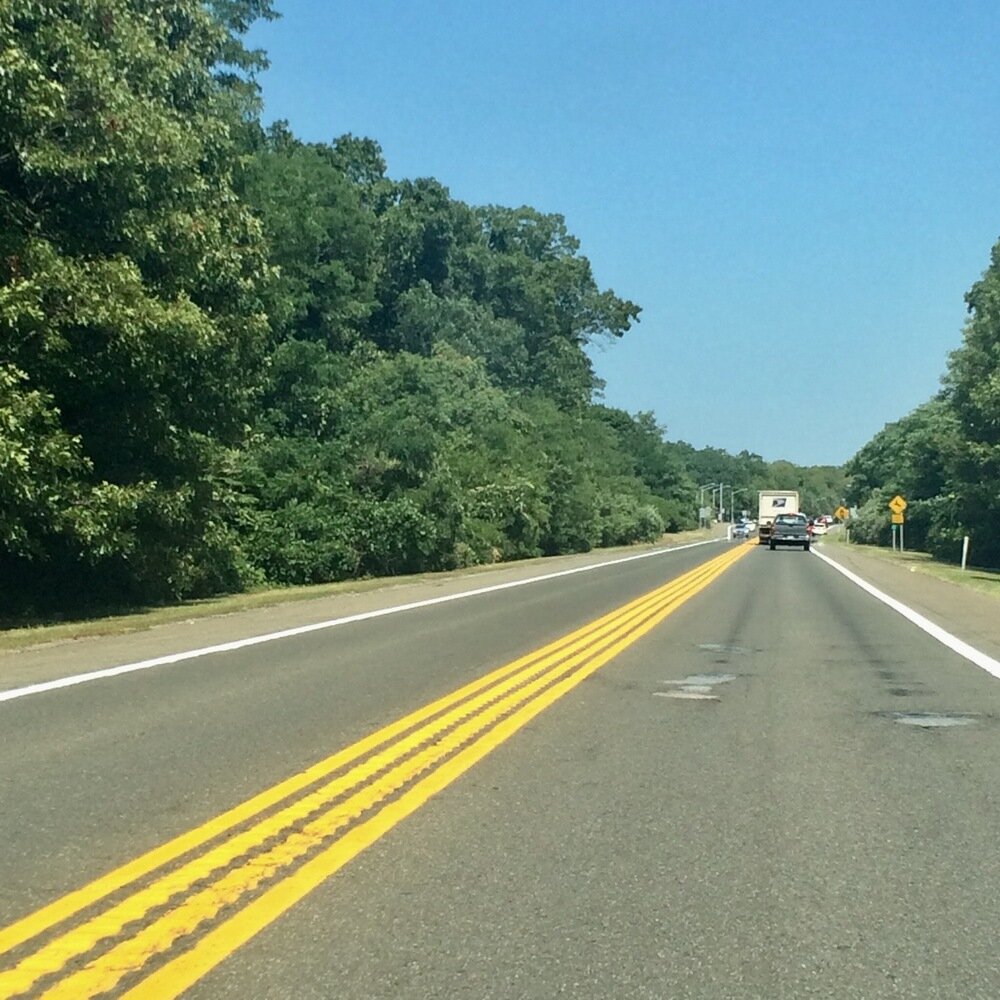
(661, 466)
(40, 465)
(972, 388)
(623, 520)
(425, 319)
(870, 526)
(321, 241)
(944, 457)
(534, 277)
(233, 358)
(910, 456)
(128, 292)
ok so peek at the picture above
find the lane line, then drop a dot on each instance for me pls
(159, 857)
(104, 972)
(12, 694)
(483, 723)
(956, 645)
(177, 975)
(136, 907)
(543, 664)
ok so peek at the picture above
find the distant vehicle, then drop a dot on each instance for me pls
(741, 531)
(771, 503)
(789, 529)
(819, 527)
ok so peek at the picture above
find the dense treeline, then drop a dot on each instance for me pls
(232, 358)
(944, 457)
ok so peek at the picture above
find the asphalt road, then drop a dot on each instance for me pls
(732, 806)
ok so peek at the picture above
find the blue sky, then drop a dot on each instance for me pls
(797, 194)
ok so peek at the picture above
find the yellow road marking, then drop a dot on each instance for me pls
(194, 910)
(482, 715)
(70, 904)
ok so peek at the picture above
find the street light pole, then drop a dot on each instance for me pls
(732, 501)
(701, 502)
(720, 487)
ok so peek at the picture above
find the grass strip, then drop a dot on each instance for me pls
(186, 611)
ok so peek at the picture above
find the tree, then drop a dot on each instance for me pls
(425, 319)
(40, 465)
(534, 276)
(658, 464)
(944, 457)
(972, 389)
(910, 456)
(418, 231)
(321, 239)
(128, 278)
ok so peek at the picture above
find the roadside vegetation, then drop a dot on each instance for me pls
(56, 630)
(984, 580)
(231, 360)
(944, 457)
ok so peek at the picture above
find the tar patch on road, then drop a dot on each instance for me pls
(701, 686)
(695, 687)
(932, 720)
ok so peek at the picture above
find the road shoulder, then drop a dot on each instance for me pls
(967, 613)
(42, 663)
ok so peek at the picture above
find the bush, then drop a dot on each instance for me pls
(302, 543)
(945, 529)
(871, 525)
(625, 520)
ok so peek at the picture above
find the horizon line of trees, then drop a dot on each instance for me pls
(230, 358)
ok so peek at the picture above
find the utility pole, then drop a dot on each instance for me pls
(719, 505)
(732, 501)
(702, 518)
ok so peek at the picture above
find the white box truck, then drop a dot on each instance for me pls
(770, 503)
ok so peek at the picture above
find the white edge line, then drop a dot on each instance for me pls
(976, 656)
(256, 640)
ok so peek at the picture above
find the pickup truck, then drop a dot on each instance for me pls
(790, 529)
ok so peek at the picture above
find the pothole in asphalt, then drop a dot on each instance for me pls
(695, 687)
(932, 720)
(720, 647)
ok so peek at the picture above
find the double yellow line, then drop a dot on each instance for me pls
(156, 925)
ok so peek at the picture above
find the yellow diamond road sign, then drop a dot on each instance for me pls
(897, 504)
(841, 513)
